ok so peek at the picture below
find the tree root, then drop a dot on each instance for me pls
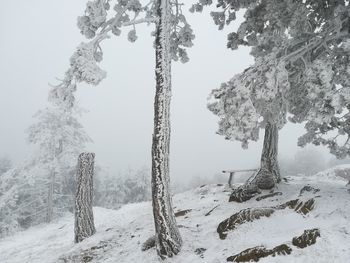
(268, 196)
(149, 243)
(244, 193)
(260, 180)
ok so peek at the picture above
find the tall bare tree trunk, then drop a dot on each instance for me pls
(269, 172)
(168, 239)
(49, 212)
(84, 219)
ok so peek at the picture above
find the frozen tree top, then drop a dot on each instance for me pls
(101, 20)
(310, 40)
(250, 99)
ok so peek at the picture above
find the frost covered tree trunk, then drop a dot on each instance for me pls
(269, 172)
(49, 213)
(168, 239)
(84, 219)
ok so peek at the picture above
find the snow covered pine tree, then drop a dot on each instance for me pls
(172, 36)
(84, 218)
(255, 98)
(42, 188)
(240, 104)
(60, 137)
(315, 29)
(319, 57)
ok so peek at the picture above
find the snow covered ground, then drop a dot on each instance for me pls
(120, 233)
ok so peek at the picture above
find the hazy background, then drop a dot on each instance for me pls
(39, 36)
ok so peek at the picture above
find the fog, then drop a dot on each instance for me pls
(39, 36)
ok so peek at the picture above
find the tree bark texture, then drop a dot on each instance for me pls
(168, 239)
(84, 219)
(269, 172)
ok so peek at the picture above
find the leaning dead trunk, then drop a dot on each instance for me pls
(269, 172)
(168, 239)
(84, 219)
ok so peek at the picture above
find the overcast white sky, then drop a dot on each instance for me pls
(39, 36)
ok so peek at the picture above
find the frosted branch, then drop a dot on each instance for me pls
(140, 21)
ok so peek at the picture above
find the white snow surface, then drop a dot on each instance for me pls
(122, 232)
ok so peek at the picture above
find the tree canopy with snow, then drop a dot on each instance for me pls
(105, 18)
(301, 69)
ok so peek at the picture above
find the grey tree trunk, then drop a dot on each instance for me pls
(168, 239)
(84, 219)
(49, 212)
(269, 172)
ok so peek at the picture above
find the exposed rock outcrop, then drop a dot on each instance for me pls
(259, 252)
(308, 238)
(252, 214)
(243, 216)
(308, 188)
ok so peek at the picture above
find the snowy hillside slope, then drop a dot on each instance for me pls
(336, 172)
(120, 233)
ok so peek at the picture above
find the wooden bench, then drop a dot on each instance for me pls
(232, 173)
